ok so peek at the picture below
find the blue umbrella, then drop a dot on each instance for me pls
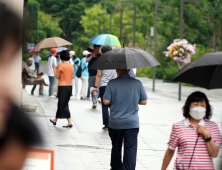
(60, 49)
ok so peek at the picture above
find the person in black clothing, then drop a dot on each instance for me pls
(91, 58)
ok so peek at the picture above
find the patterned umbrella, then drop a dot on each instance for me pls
(52, 42)
(34, 50)
(106, 39)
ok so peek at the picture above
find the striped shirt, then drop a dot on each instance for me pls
(184, 136)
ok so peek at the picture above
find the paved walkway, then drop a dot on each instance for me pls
(87, 147)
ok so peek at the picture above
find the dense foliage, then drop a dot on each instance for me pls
(75, 20)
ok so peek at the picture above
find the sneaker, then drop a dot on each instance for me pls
(53, 97)
(105, 128)
(99, 100)
(82, 98)
(94, 106)
(72, 97)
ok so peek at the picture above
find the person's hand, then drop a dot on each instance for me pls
(77, 65)
(94, 90)
(203, 131)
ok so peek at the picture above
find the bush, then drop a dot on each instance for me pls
(159, 72)
(169, 73)
(143, 72)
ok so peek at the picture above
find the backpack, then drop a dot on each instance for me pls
(79, 71)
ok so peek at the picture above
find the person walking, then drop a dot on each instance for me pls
(37, 59)
(64, 73)
(102, 79)
(75, 79)
(124, 119)
(84, 76)
(32, 67)
(92, 73)
(197, 138)
(51, 75)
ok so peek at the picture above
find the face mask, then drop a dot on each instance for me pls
(198, 113)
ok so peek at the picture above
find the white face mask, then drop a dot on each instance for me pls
(198, 113)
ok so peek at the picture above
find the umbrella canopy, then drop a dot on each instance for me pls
(124, 58)
(34, 50)
(60, 49)
(206, 72)
(52, 42)
(105, 39)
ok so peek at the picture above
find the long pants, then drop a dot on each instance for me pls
(39, 81)
(92, 80)
(37, 67)
(55, 87)
(88, 93)
(84, 85)
(105, 108)
(75, 81)
(129, 136)
(51, 83)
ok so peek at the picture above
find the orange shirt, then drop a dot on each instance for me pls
(65, 71)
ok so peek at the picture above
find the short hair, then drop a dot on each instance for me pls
(64, 55)
(95, 46)
(20, 127)
(197, 97)
(106, 48)
(11, 26)
(29, 61)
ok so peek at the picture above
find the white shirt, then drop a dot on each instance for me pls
(107, 75)
(50, 71)
(32, 67)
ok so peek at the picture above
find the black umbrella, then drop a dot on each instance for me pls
(124, 58)
(206, 72)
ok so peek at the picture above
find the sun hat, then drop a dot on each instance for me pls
(85, 52)
(72, 53)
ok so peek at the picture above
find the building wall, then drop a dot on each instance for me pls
(16, 67)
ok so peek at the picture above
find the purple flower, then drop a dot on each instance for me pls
(175, 53)
(176, 58)
(182, 50)
(185, 60)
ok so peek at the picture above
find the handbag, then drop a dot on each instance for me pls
(177, 167)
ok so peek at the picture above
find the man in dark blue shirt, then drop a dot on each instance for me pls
(92, 73)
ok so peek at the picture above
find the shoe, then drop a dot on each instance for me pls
(32, 94)
(45, 84)
(99, 100)
(82, 98)
(105, 128)
(41, 94)
(87, 98)
(52, 96)
(54, 123)
(70, 126)
(94, 106)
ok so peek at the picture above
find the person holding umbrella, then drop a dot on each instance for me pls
(124, 119)
(198, 139)
(102, 79)
(64, 73)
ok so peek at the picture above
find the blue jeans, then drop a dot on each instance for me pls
(37, 67)
(88, 94)
(51, 83)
